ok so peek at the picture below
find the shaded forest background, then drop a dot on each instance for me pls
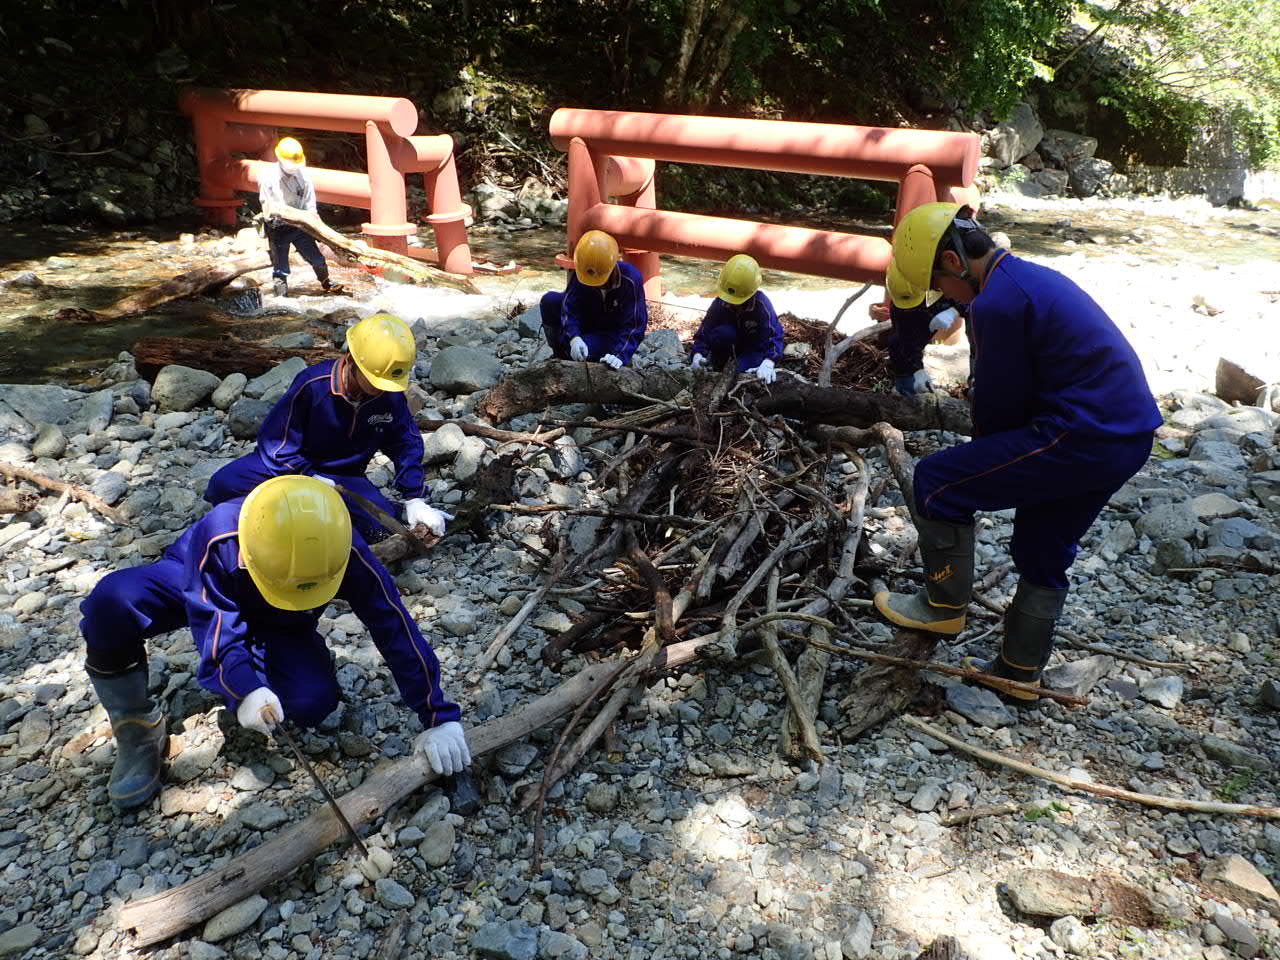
(88, 87)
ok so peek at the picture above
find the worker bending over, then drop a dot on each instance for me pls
(602, 314)
(250, 580)
(1062, 417)
(334, 417)
(740, 324)
(287, 185)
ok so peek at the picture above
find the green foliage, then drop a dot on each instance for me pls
(1232, 788)
(1047, 812)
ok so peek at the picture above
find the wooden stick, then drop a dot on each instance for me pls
(162, 916)
(546, 439)
(958, 817)
(1081, 643)
(729, 623)
(508, 630)
(934, 667)
(609, 513)
(1072, 783)
(790, 685)
(15, 472)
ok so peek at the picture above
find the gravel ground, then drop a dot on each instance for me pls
(690, 838)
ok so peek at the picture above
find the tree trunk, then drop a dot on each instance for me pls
(724, 34)
(354, 253)
(14, 501)
(218, 356)
(674, 94)
(554, 382)
(184, 285)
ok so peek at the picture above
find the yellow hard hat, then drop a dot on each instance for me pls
(291, 150)
(594, 257)
(382, 347)
(739, 279)
(295, 540)
(915, 246)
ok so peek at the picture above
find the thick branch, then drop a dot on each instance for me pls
(184, 285)
(94, 502)
(861, 408)
(356, 253)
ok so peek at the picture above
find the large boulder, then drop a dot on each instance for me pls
(1065, 148)
(245, 417)
(1090, 175)
(464, 370)
(181, 388)
(23, 406)
(1014, 137)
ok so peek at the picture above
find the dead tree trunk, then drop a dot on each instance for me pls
(13, 501)
(184, 285)
(554, 382)
(353, 253)
(219, 356)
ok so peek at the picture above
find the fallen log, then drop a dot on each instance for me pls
(862, 408)
(554, 382)
(94, 502)
(183, 285)
(166, 914)
(356, 253)
(222, 357)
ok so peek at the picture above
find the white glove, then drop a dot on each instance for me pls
(610, 360)
(419, 511)
(698, 361)
(325, 480)
(252, 708)
(765, 372)
(445, 748)
(944, 320)
(578, 348)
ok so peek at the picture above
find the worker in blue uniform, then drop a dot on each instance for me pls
(250, 580)
(740, 324)
(913, 330)
(334, 417)
(1062, 418)
(602, 314)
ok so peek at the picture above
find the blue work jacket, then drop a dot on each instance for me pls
(315, 428)
(1044, 350)
(228, 616)
(614, 315)
(753, 332)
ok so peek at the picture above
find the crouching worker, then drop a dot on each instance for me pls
(602, 314)
(250, 580)
(334, 417)
(740, 325)
(913, 330)
(286, 184)
(1062, 417)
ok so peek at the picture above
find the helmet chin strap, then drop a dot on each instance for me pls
(957, 247)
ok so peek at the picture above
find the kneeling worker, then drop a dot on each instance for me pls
(250, 579)
(1062, 418)
(286, 184)
(740, 324)
(334, 417)
(602, 314)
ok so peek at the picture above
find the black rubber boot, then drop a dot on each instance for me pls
(281, 286)
(1028, 639)
(139, 729)
(947, 552)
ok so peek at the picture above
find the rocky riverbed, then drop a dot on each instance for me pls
(687, 837)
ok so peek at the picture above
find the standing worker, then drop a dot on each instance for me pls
(602, 314)
(331, 421)
(282, 185)
(250, 580)
(740, 324)
(1062, 418)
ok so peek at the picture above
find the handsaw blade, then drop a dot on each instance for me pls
(315, 778)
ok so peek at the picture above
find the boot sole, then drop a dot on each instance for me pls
(949, 627)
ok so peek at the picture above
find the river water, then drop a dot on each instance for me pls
(1133, 255)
